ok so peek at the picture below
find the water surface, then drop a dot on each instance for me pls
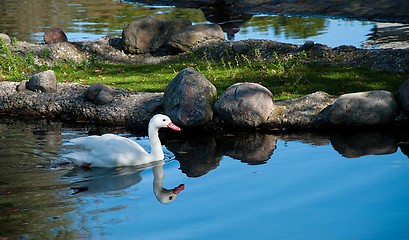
(28, 20)
(237, 186)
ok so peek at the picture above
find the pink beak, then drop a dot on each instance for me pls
(179, 188)
(171, 125)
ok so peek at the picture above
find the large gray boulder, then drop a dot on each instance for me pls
(245, 104)
(403, 97)
(148, 34)
(364, 109)
(185, 39)
(43, 82)
(189, 97)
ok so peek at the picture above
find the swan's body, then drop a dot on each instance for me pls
(110, 150)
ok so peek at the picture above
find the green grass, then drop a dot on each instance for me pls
(286, 78)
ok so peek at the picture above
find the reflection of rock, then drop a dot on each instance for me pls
(229, 19)
(312, 138)
(249, 147)
(361, 143)
(197, 156)
(389, 35)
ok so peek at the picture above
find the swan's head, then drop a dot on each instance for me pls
(167, 196)
(163, 121)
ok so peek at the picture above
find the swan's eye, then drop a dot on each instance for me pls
(170, 197)
(164, 120)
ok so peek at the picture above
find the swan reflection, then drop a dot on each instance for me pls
(105, 180)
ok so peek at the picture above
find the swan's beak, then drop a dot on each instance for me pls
(171, 125)
(179, 188)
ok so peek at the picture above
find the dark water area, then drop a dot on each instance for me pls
(237, 185)
(28, 20)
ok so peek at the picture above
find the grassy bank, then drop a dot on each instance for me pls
(286, 78)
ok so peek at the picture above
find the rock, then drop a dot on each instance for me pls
(43, 81)
(240, 47)
(99, 93)
(305, 112)
(364, 108)
(55, 35)
(148, 34)
(245, 104)
(189, 97)
(307, 45)
(402, 97)
(5, 38)
(186, 38)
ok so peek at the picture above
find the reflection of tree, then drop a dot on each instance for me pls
(30, 199)
(22, 19)
(290, 27)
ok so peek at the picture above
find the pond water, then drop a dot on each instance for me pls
(28, 20)
(246, 185)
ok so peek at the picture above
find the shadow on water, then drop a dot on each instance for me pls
(199, 153)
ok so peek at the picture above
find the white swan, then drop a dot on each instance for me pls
(110, 150)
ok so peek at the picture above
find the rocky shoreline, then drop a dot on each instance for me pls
(195, 104)
(316, 111)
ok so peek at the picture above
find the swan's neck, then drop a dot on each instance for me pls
(158, 175)
(156, 146)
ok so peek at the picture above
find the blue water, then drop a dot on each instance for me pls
(82, 21)
(333, 32)
(303, 191)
